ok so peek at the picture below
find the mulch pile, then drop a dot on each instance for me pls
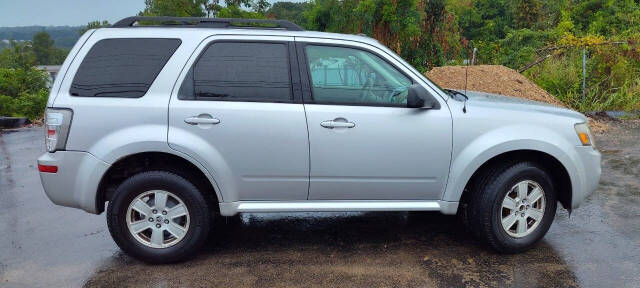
(498, 79)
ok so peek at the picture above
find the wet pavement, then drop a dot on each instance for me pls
(43, 245)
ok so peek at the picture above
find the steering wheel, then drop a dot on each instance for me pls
(395, 93)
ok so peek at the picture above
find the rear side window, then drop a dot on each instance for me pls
(240, 71)
(122, 67)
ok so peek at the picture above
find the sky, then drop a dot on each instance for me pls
(67, 12)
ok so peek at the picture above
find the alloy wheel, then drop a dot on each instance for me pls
(158, 219)
(523, 208)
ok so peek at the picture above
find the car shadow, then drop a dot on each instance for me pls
(376, 249)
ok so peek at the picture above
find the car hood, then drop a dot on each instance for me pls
(513, 103)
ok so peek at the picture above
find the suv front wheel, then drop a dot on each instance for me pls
(158, 217)
(512, 206)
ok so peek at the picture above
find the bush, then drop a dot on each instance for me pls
(613, 82)
(7, 106)
(29, 105)
(558, 76)
(23, 92)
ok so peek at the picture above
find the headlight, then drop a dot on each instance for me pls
(584, 135)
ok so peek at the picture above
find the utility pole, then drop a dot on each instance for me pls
(473, 60)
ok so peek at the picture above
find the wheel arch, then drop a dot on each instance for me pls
(556, 169)
(505, 143)
(131, 164)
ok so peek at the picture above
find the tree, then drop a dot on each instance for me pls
(423, 32)
(178, 8)
(94, 25)
(526, 13)
(261, 6)
(212, 7)
(23, 88)
(238, 3)
(291, 11)
(18, 56)
(237, 12)
(42, 46)
(487, 20)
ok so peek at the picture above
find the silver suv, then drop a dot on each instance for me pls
(177, 123)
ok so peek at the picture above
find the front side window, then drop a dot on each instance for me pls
(343, 75)
(122, 67)
(239, 71)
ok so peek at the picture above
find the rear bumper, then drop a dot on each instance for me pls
(590, 172)
(75, 184)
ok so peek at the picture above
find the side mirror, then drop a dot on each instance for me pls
(418, 97)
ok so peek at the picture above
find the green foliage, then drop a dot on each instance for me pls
(16, 81)
(42, 46)
(40, 51)
(558, 76)
(236, 12)
(605, 17)
(94, 25)
(426, 33)
(526, 13)
(261, 6)
(7, 107)
(206, 8)
(423, 32)
(29, 105)
(178, 8)
(291, 11)
(23, 88)
(613, 79)
(19, 55)
(488, 20)
(518, 48)
(332, 16)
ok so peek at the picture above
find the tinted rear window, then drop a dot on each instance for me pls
(122, 67)
(240, 71)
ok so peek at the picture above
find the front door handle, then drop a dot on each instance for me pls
(201, 119)
(337, 124)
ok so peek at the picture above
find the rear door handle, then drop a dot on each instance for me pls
(337, 124)
(201, 120)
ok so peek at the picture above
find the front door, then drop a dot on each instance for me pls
(365, 144)
(236, 113)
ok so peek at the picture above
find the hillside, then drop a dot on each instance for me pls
(64, 36)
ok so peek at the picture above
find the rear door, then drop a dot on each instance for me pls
(238, 111)
(365, 144)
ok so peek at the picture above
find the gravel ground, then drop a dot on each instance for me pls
(44, 245)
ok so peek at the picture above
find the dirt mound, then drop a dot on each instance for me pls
(501, 80)
(491, 79)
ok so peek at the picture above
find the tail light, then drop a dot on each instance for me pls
(57, 124)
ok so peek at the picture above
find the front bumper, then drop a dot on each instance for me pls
(590, 171)
(76, 182)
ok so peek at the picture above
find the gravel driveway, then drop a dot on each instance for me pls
(44, 245)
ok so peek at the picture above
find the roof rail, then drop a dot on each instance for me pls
(209, 23)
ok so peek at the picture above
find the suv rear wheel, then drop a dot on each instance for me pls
(512, 206)
(158, 217)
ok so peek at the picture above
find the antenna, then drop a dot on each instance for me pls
(466, 79)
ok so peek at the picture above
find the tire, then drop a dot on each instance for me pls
(191, 224)
(485, 212)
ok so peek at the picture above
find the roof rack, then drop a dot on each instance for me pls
(209, 23)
